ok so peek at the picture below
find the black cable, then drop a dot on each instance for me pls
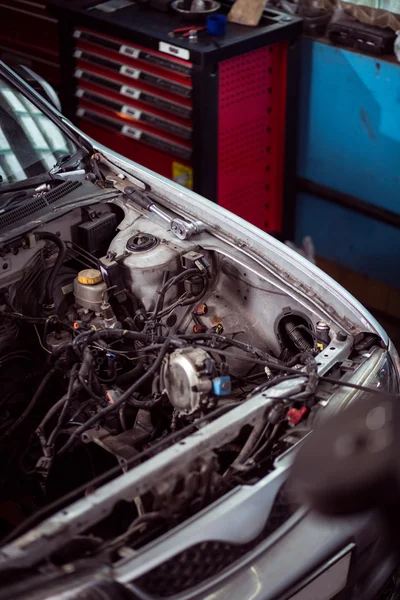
(48, 235)
(112, 369)
(268, 443)
(230, 342)
(123, 398)
(185, 300)
(187, 274)
(87, 337)
(272, 365)
(15, 196)
(82, 407)
(84, 371)
(275, 364)
(31, 404)
(160, 297)
(248, 447)
(68, 399)
(89, 390)
(50, 414)
(18, 317)
(361, 388)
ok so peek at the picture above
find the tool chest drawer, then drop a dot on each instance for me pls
(142, 55)
(209, 113)
(137, 112)
(137, 132)
(139, 94)
(162, 101)
(129, 69)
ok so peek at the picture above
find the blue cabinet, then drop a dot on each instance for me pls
(350, 141)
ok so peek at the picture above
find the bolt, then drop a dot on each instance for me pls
(322, 326)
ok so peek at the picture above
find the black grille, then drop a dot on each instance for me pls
(201, 561)
(31, 207)
(22, 212)
(61, 190)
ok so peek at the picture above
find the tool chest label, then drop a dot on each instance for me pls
(174, 50)
(131, 92)
(129, 51)
(129, 72)
(136, 134)
(131, 112)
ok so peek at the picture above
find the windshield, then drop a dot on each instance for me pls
(30, 143)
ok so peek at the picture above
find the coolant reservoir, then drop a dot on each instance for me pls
(90, 290)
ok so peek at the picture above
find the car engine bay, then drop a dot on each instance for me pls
(124, 330)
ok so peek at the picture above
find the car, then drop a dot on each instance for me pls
(161, 362)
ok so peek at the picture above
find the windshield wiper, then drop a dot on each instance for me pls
(8, 204)
(31, 182)
(65, 163)
(69, 162)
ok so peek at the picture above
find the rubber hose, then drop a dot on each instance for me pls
(30, 406)
(47, 235)
(296, 336)
(251, 442)
(130, 376)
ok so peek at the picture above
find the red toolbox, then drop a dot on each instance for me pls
(217, 115)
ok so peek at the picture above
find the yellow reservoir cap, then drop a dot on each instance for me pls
(89, 276)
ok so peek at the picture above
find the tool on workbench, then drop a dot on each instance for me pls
(195, 9)
(247, 12)
(198, 6)
(186, 32)
(216, 24)
(182, 229)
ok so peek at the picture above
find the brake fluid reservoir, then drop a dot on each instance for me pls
(90, 290)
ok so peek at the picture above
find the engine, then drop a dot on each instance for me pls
(118, 339)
